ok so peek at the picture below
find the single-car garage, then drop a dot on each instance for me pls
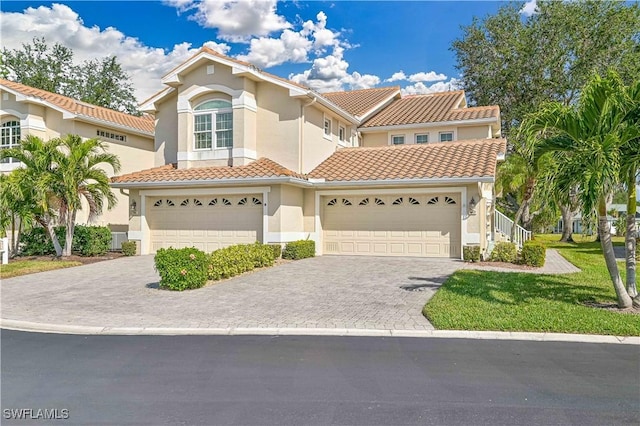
(207, 222)
(421, 225)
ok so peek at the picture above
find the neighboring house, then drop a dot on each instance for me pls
(242, 156)
(26, 111)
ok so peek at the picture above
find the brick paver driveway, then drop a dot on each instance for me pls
(323, 292)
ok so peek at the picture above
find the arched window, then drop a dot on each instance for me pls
(10, 137)
(213, 124)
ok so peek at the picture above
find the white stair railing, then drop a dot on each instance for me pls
(504, 225)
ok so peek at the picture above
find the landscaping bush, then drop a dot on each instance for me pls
(237, 259)
(181, 269)
(91, 240)
(300, 249)
(129, 248)
(504, 252)
(533, 253)
(471, 253)
(277, 250)
(36, 242)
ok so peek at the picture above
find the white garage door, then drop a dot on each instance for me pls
(392, 225)
(206, 222)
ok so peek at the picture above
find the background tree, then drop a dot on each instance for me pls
(519, 63)
(99, 82)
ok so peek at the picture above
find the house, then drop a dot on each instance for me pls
(242, 155)
(25, 110)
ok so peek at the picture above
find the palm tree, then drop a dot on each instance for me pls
(30, 186)
(79, 175)
(16, 209)
(592, 134)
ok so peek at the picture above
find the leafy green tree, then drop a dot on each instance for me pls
(99, 82)
(31, 185)
(79, 175)
(592, 135)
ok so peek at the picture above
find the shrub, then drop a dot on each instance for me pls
(129, 248)
(181, 269)
(91, 240)
(237, 259)
(504, 252)
(533, 253)
(471, 253)
(277, 250)
(36, 242)
(300, 249)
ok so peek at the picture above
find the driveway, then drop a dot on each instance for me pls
(322, 292)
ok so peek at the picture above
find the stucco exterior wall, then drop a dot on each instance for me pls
(166, 135)
(459, 133)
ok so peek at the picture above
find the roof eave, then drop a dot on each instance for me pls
(411, 181)
(210, 182)
(427, 124)
(379, 106)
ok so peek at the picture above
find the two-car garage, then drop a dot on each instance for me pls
(419, 225)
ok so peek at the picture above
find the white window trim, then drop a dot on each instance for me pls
(453, 135)
(324, 127)
(415, 138)
(213, 113)
(344, 141)
(12, 144)
(404, 139)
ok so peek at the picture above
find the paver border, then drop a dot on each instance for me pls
(28, 326)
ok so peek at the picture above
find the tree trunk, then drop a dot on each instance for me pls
(46, 223)
(630, 239)
(12, 245)
(18, 237)
(530, 185)
(516, 221)
(567, 223)
(624, 300)
(68, 243)
(527, 218)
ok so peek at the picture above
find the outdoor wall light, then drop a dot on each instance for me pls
(133, 207)
(472, 206)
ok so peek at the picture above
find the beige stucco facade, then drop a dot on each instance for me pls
(371, 138)
(135, 153)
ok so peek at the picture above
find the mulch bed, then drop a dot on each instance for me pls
(73, 258)
(503, 265)
(611, 307)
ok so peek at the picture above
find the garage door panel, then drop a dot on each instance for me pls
(205, 222)
(411, 227)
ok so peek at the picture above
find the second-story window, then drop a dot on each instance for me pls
(213, 125)
(446, 136)
(342, 132)
(422, 138)
(10, 137)
(327, 127)
(397, 139)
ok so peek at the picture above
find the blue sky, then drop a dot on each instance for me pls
(328, 45)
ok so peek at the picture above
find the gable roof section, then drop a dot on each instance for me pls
(261, 168)
(79, 109)
(361, 102)
(474, 158)
(434, 107)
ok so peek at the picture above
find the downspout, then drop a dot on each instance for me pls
(301, 131)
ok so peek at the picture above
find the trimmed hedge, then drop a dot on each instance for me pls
(87, 241)
(471, 253)
(533, 253)
(504, 252)
(237, 259)
(129, 248)
(300, 249)
(181, 269)
(277, 250)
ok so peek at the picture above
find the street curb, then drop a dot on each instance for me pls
(239, 331)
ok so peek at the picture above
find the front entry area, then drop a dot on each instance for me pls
(420, 225)
(207, 222)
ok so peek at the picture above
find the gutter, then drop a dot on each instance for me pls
(211, 182)
(321, 183)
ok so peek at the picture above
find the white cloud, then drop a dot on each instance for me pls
(330, 74)
(60, 24)
(529, 8)
(236, 21)
(426, 76)
(420, 88)
(398, 76)
(268, 52)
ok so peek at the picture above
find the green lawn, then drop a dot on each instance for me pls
(24, 267)
(483, 300)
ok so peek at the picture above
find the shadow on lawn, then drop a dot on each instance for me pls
(507, 288)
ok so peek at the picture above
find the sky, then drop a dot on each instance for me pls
(326, 45)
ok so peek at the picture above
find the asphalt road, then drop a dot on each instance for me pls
(257, 380)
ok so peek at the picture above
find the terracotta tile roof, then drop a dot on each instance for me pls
(261, 168)
(472, 158)
(144, 123)
(434, 107)
(359, 102)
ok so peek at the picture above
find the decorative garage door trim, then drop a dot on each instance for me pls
(406, 193)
